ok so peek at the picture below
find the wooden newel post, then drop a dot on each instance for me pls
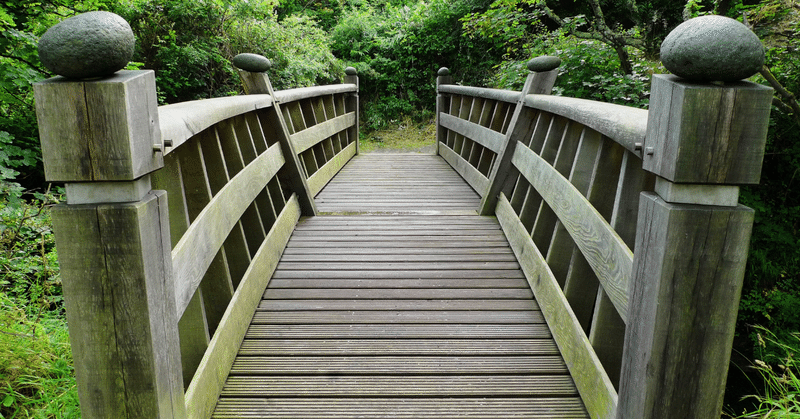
(351, 105)
(102, 138)
(703, 140)
(443, 77)
(542, 75)
(253, 73)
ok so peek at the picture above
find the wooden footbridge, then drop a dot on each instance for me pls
(556, 258)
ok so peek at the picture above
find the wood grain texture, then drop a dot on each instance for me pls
(202, 394)
(305, 139)
(608, 255)
(689, 270)
(705, 133)
(357, 308)
(291, 95)
(486, 137)
(596, 389)
(318, 180)
(199, 245)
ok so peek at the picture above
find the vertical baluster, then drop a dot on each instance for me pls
(350, 104)
(455, 106)
(442, 105)
(340, 137)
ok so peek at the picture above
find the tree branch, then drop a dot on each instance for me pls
(28, 63)
(786, 97)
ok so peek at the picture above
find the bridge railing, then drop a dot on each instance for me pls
(175, 218)
(627, 225)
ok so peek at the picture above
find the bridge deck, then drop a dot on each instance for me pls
(401, 305)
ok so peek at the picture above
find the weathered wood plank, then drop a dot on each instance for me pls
(476, 179)
(318, 180)
(405, 331)
(446, 386)
(386, 347)
(198, 246)
(309, 137)
(383, 305)
(204, 390)
(397, 317)
(444, 408)
(596, 389)
(395, 294)
(492, 140)
(291, 95)
(608, 255)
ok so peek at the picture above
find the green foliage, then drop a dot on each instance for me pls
(589, 70)
(780, 386)
(36, 374)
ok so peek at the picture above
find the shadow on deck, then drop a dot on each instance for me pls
(398, 301)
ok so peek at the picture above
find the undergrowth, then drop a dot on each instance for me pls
(36, 373)
(403, 136)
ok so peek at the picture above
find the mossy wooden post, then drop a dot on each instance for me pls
(443, 77)
(351, 105)
(703, 140)
(102, 138)
(541, 79)
(253, 73)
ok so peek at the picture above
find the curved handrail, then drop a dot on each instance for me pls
(508, 96)
(180, 121)
(623, 124)
(291, 95)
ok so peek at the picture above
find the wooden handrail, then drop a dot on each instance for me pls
(598, 202)
(230, 189)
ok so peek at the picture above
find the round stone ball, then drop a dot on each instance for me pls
(444, 71)
(253, 63)
(351, 71)
(88, 45)
(544, 63)
(712, 48)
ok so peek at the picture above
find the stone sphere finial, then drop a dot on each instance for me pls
(351, 71)
(444, 71)
(712, 48)
(253, 63)
(543, 63)
(88, 45)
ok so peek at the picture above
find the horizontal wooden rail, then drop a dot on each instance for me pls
(310, 137)
(291, 95)
(615, 215)
(623, 124)
(507, 96)
(180, 121)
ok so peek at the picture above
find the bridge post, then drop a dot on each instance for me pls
(703, 140)
(443, 77)
(541, 79)
(253, 73)
(351, 105)
(102, 138)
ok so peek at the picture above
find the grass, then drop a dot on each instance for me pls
(779, 397)
(404, 136)
(37, 379)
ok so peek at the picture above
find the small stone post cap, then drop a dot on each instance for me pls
(89, 45)
(543, 63)
(443, 72)
(712, 48)
(253, 63)
(351, 71)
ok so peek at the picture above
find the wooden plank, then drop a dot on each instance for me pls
(399, 283)
(476, 179)
(395, 294)
(386, 347)
(397, 317)
(445, 386)
(444, 408)
(383, 305)
(319, 179)
(204, 390)
(197, 248)
(305, 139)
(314, 365)
(393, 274)
(608, 255)
(404, 331)
(596, 389)
(291, 95)
(486, 137)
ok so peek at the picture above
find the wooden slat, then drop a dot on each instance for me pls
(476, 179)
(318, 180)
(204, 390)
(437, 346)
(397, 317)
(608, 255)
(492, 140)
(448, 386)
(305, 139)
(443, 408)
(593, 384)
(198, 246)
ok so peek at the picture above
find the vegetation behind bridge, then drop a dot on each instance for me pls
(609, 51)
